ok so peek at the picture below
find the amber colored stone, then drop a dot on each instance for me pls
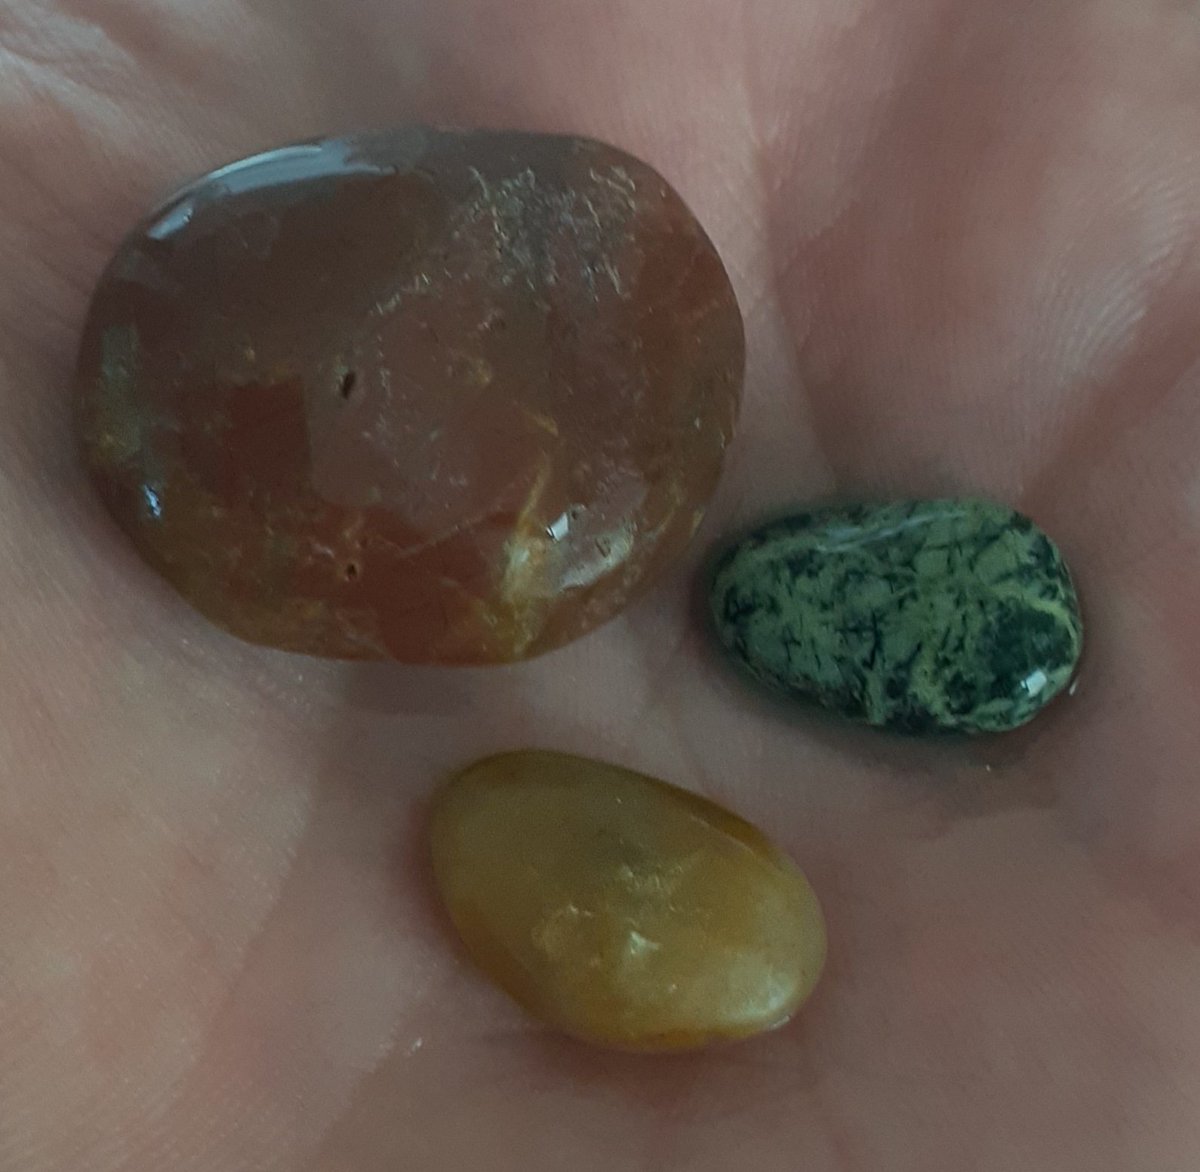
(620, 909)
(416, 395)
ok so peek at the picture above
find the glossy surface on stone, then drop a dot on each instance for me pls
(919, 616)
(619, 909)
(415, 395)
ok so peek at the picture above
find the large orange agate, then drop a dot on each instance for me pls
(426, 396)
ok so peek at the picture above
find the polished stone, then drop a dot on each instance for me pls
(919, 616)
(415, 395)
(620, 909)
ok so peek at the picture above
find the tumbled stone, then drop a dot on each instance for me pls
(620, 909)
(416, 395)
(920, 616)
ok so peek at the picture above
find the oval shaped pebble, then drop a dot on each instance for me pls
(919, 616)
(620, 909)
(415, 395)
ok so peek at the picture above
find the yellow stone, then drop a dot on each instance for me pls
(622, 910)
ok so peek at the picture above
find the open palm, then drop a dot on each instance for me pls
(966, 237)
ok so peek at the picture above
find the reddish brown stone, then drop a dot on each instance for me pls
(416, 395)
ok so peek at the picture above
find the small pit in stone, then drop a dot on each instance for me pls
(348, 383)
(351, 572)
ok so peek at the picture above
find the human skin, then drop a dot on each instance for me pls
(966, 237)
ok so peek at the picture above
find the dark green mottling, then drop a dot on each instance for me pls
(919, 616)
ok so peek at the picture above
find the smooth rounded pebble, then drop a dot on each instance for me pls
(619, 909)
(918, 616)
(419, 395)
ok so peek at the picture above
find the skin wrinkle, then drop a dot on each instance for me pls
(1158, 362)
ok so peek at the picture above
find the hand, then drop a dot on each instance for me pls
(966, 237)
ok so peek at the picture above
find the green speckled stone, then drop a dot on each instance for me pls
(918, 616)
